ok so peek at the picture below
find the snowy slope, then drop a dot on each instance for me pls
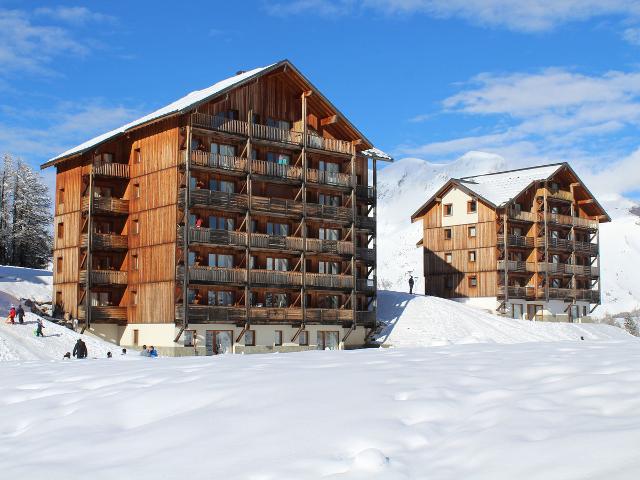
(18, 342)
(18, 282)
(405, 185)
(552, 411)
(417, 320)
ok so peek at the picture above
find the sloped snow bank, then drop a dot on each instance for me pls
(553, 411)
(18, 342)
(29, 283)
(417, 320)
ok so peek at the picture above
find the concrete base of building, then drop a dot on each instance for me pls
(552, 311)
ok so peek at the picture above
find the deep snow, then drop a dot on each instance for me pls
(552, 411)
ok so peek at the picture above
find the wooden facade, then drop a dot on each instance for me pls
(541, 245)
(253, 206)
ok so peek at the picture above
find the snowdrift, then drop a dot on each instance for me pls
(28, 283)
(417, 320)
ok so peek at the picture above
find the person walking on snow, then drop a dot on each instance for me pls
(411, 284)
(80, 349)
(20, 312)
(39, 328)
(12, 315)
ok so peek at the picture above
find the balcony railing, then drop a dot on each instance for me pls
(104, 314)
(517, 241)
(326, 315)
(219, 123)
(362, 191)
(263, 240)
(273, 169)
(591, 296)
(208, 313)
(217, 162)
(556, 194)
(105, 241)
(214, 236)
(325, 280)
(275, 134)
(276, 314)
(329, 178)
(336, 247)
(106, 205)
(330, 144)
(275, 277)
(365, 285)
(366, 223)
(584, 270)
(517, 292)
(276, 206)
(586, 247)
(329, 212)
(105, 277)
(555, 243)
(118, 170)
(222, 200)
(568, 220)
(516, 266)
(554, 268)
(522, 216)
(366, 254)
(200, 274)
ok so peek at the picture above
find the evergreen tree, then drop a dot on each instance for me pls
(6, 180)
(630, 325)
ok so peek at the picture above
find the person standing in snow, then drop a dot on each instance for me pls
(153, 352)
(12, 315)
(411, 282)
(80, 349)
(144, 352)
(39, 328)
(20, 312)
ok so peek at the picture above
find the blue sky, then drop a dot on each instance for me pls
(537, 81)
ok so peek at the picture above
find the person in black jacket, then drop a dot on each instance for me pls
(80, 349)
(411, 284)
(20, 313)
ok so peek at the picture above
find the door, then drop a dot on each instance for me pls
(534, 312)
(219, 342)
(327, 340)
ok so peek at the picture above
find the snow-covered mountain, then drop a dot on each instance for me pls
(406, 184)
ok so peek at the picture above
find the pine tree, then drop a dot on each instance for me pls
(6, 181)
(630, 325)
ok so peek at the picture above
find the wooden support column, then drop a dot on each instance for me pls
(247, 285)
(87, 292)
(546, 244)
(303, 223)
(506, 255)
(354, 211)
(187, 200)
(375, 233)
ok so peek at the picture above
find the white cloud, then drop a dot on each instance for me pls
(77, 15)
(632, 35)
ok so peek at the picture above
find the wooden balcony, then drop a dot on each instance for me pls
(106, 205)
(522, 216)
(329, 212)
(328, 315)
(584, 270)
(221, 200)
(104, 277)
(591, 296)
(212, 314)
(554, 268)
(105, 241)
(264, 315)
(586, 247)
(277, 206)
(325, 280)
(557, 293)
(517, 292)
(517, 241)
(276, 242)
(367, 318)
(367, 285)
(209, 236)
(563, 244)
(516, 266)
(366, 223)
(114, 170)
(329, 178)
(273, 314)
(275, 277)
(275, 170)
(217, 162)
(555, 194)
(568, 220)
(105, 314)
(333, 247)
(366, 254)
(219, 123)
(366, 193)
(202, 274)
(329, 144)
(278, 135)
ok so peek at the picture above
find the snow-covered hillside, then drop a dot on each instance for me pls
(553, 411)
(417, 320)
(28, 283)
(405, 185)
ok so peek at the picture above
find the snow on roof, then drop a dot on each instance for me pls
(180, 104)
(377, 153)
(500, 187)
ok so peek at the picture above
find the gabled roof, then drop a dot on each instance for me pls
(499, 188)
(191, 101)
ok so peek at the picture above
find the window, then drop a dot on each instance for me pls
(282, 124)
(328, 234)
(61, 230)
(135, 227)
(584, 311)
(221, 186)
(136, 190)
(278, 158)
(219, 298)
(473, 281)
(555, 283)
(329, 301)
(448, 209)
(472, 206)
(303, 338)
(277, 338)
(555, 187)
(279, 264)
(189, 338)
(472, 232)
(137, 156)
(327, 340)
(134, 262)
(249, 338)
(136, 336)
(280, 229)
(59, 298)
(61, 196)
(472, 256)
(134, 297)
(59, 265)
(276, 300)
(448, 257)
(448, 234)
(517, 311)
(221, 223)
(331, 200)
(220, 260)
(329, 267)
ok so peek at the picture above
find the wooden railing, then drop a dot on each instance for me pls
(120, 170)
(326, 280)
(366, 254)
(516, 266)
(275, 277)
(330, 144)
(584, 223)
(329, 212)
(366, 317)
(555, 243)
(337, 247)
(273, 169)
(211, 314)
(214, 236)
(215, 274)
(219, 123)
(105, 277)
(222, 200)
(365, 284)
(580, 222)
(559, 194)
(362, 191)
(325, 315)
(235, 314)
(274, 134)
(263, 240)
(586, 247)
(276, 206)
(585, 270)
(106, 205)
(276, 314)
(217, 161)
(550, 267)
(105, 241)
(367, 223)
(517, 292)
(521, 215)
(328, 178)
(106, 314)
(592, 296)
(517, 241)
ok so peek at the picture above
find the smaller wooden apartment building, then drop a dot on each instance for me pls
(240, 218)
(523, 242)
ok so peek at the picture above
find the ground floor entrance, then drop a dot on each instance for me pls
(219, 341)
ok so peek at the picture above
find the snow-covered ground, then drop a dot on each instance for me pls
(552, 411)
(405, 185)
(417, 320)
(28, 283)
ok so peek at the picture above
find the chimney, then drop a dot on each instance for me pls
(240, 72)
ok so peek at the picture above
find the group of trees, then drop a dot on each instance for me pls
(25, 216)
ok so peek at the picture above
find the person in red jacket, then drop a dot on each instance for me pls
(12, 315)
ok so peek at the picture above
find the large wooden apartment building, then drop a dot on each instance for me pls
(522, 242)
(240, 218)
